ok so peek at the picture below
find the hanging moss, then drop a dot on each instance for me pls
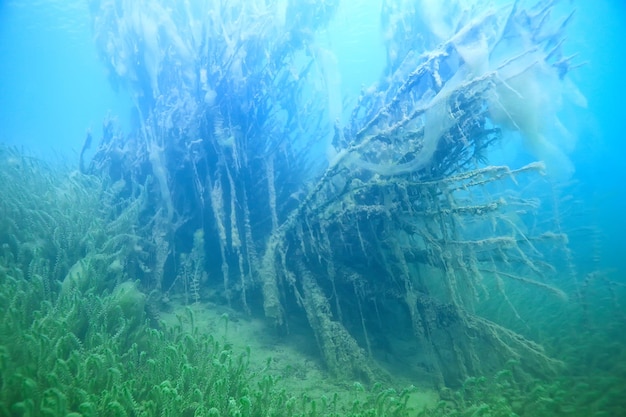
(387, 248)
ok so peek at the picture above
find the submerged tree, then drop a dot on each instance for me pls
(401, 230)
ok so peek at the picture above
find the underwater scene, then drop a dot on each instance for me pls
(312, 208)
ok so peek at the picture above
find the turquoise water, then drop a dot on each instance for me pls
(405, 192)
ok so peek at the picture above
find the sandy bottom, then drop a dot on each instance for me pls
(294, 357)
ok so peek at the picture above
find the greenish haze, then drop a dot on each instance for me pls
(81, 355)
(86, 349)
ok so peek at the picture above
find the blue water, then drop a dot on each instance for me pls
(54, 88)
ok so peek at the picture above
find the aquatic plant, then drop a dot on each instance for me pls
(401, 229)
(86, 355)
(90, 350)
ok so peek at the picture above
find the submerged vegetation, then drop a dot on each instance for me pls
(93, 350)
(382, 233)
(370, 224)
